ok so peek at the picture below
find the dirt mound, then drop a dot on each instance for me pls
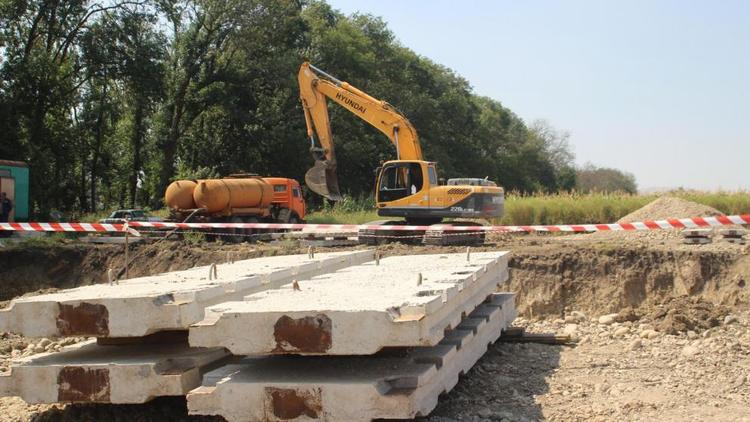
(680, 315)
(667, 207)
(663, 208)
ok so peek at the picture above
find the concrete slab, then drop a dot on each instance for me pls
(312, 234)
(317, 233)
(169, 301)
(327, 243)
(394, 384)
(358, 310)
(735, 240)
(733, 232)
(91, 373)
(697, 232)
(696, 240)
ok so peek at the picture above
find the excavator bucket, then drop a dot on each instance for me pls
(322, 179)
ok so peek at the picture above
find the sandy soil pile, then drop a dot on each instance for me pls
(667, 207)
(663, 208)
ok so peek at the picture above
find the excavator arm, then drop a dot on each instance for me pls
(316, 86)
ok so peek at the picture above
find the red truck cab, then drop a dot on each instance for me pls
(287, 195)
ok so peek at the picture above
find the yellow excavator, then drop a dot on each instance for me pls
(406, 187)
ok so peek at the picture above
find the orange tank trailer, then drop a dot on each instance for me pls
(238, 198)
(179, 195)
(224, 195)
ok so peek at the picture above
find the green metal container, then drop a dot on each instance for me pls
(14, 181)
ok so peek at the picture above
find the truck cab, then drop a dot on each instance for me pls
(287, 195)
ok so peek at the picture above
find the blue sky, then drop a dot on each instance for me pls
(657, 88)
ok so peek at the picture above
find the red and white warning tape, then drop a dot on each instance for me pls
(62, 227)
(680, 223)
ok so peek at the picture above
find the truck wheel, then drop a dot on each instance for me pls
(284, 216)
(235, 235)
(250, 232)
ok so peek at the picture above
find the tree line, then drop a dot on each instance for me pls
(108, 102)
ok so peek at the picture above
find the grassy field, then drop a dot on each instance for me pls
(565, 208)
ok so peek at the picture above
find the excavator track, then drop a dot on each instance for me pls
(380, 237)
(434, 235)
(437, 235)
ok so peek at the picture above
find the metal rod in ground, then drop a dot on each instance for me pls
(536, 338)
(175, 230)
(127, 261)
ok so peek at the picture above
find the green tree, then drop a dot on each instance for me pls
(591, 178)
(94, 95)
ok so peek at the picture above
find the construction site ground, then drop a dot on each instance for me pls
(661, 329)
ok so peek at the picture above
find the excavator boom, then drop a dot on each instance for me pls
(316, 87)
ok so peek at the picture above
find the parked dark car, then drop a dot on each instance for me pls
(121, 216)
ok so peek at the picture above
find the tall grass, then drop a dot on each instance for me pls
(348, 211)
(559, 208)
(567, 208)
(730, 203)
(577, 208)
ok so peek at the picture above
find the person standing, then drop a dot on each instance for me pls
(6, 206)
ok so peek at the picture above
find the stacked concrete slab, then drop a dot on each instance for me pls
(401, 301)
(379, 338)
(396, 384)
(141, 327)
(172, 301)
(92, 373)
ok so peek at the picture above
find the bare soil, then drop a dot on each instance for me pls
(677, 345)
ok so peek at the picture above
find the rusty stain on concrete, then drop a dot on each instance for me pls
(289, 403)
(311, 334)
(84, 319)
(76, 384)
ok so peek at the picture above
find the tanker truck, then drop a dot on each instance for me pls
(239, 198)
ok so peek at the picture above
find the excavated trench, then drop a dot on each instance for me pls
(549, 278)
(599, 280)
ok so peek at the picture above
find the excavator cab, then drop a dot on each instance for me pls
(399, 180)
(405, 188)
